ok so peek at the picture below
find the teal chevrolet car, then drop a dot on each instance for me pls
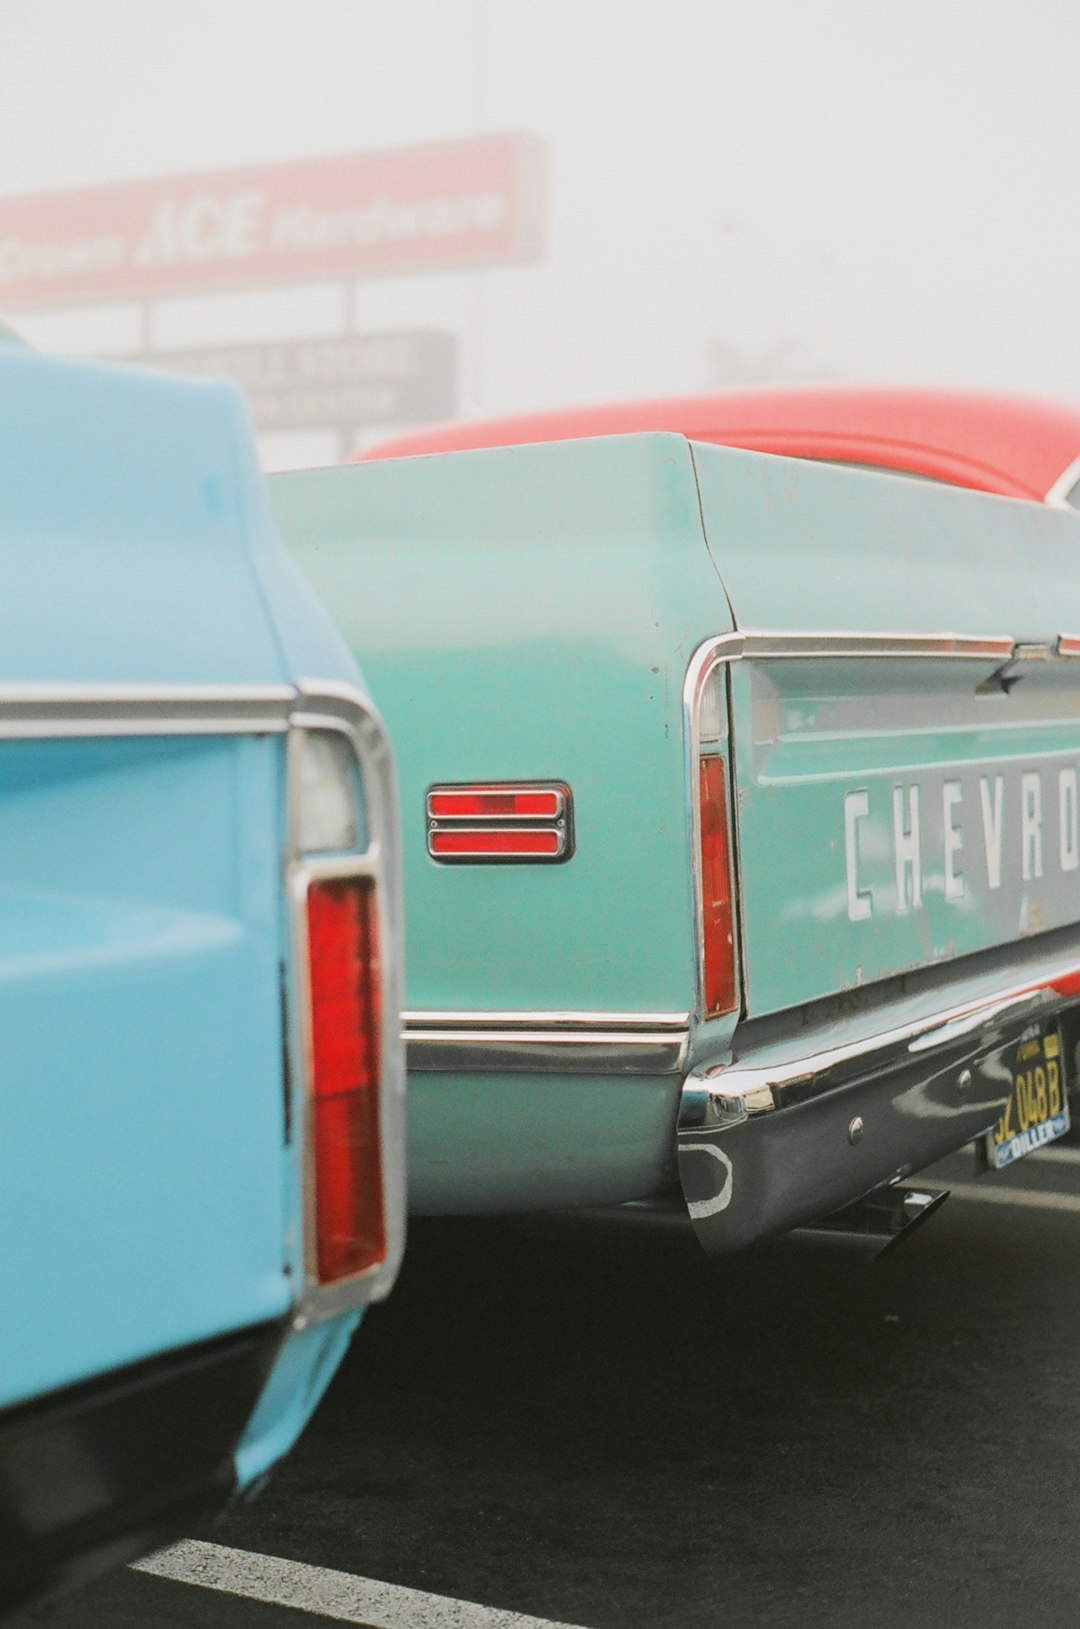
(201, 1133)
(740, 815)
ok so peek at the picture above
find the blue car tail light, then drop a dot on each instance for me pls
(344, 1038)
(343, 974)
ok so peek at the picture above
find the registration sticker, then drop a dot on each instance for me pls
(1038, 1109)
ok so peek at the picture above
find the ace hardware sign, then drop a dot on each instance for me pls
(470, 202)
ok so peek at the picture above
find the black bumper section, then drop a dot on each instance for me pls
(791, 1168)
(755, 1165)
(99, 1473)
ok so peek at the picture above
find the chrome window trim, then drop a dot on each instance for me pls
(331, 706)
(1056, 496)
(547, 1042)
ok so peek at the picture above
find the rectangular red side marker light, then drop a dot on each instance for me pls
(343, 963)
(492, 844)
(718, 942)
(513, 822)
(495, 803)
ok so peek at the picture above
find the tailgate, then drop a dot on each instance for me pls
(892, 814)
(904, 795)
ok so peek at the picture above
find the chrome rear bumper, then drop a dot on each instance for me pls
(794, 1131)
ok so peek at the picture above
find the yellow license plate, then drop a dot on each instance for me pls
(1038, 1109)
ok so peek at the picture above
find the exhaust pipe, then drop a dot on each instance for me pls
(876, 1223)
(863, 1231)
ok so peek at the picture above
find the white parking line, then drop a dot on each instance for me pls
(337, 1595)
(1032, 1198)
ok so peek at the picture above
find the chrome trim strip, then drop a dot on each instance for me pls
(333, 706)
(550, 1022)
(775, 645)
(82, 710)
(731, 1093)
(548, 1043)
(1065, 482)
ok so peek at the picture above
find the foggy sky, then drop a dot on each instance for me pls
(840, 189)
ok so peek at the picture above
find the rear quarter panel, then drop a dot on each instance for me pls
(528, 613)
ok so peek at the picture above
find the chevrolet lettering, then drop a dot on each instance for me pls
(978, 834)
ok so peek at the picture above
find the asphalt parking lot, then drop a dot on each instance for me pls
(589, 1422)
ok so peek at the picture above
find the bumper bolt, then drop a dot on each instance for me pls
(856, 1129)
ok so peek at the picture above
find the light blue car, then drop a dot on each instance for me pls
(201, 1082)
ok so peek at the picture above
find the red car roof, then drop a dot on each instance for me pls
(1002, 444)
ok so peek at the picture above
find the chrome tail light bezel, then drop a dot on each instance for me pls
(325, 706)
(707, 713)
(495, 836)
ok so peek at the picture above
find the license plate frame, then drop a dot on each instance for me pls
(1037, 1111)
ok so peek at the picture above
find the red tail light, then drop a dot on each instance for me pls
(718, 946)
(343, 962)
